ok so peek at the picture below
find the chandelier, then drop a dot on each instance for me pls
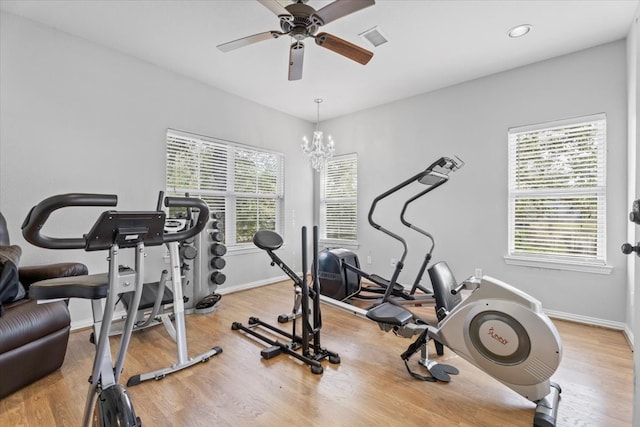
(318, 151)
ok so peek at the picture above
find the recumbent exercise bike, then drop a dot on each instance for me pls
(107, 403)
(498, 328)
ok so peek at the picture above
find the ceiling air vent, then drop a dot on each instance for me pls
(374, 36)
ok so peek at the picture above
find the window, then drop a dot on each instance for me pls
(243, 184)
(338, 199)
(557, 194)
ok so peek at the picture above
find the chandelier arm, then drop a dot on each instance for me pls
(317, 150)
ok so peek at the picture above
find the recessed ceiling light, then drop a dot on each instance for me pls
(519, 31)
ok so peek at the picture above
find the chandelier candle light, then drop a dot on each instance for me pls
(318, 151)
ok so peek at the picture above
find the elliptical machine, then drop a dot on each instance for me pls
(339, 269)
(107, 403)
(498, 328)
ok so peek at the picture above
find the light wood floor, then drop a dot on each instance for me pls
(369, 388)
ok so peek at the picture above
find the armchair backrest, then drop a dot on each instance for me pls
(4, 233)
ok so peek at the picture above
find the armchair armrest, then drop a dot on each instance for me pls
(35, 273)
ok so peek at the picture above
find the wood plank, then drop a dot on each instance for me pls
(369, 387)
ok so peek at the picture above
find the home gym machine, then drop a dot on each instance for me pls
(305, 346)
(498, 328)
(169, 290)
(107, 403)
(156, 304)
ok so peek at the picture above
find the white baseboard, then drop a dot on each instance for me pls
(628, 334)
(88, 323)
(619, 326)
(594, 321)
(251, 285)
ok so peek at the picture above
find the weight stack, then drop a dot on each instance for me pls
(216, 277)
(217, 252)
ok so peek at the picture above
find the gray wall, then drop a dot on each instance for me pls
(76, 117)
(468, 215)
(79, 117)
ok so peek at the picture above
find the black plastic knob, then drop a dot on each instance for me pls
(627, 249)
(217, 278)
(218, 263)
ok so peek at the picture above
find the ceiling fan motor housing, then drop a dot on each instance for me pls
(301, 26)
(300, 21)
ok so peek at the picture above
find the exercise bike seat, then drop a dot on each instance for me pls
(443, 283)
(267, 240)
(92, 286)
(390, 314)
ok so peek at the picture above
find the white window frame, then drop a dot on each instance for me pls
(517, 255)
(349, 160)
(223, 187)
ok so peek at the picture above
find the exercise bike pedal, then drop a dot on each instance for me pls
(441, 372)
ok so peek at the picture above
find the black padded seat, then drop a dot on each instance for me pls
(390, 314)
(267, 240)
(443, 283)
(92, 286)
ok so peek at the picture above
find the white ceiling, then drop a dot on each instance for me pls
(432, 44)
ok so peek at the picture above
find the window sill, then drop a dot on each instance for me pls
(334, 243)
(246, 249)
(241, 250)
(558, 264)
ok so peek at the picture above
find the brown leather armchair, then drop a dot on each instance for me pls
(33, 337)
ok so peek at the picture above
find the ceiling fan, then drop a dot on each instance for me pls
(301, 21)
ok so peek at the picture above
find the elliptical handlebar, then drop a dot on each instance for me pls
(435, 175)
(189, 203)
(39, 214)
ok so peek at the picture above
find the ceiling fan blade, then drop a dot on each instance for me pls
(277, 9)
(296, 59)
(344, 48)
(338, 9)
(245, 41)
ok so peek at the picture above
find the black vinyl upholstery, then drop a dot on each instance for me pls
(443, 283)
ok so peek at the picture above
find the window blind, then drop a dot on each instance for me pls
(338, 198)
(257, 189)
(243, 184)
(557, 190)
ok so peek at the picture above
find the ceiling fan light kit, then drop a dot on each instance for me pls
(300, 21)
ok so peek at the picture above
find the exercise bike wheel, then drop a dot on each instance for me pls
(114, 408)
(316, 369)
(334, 359)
